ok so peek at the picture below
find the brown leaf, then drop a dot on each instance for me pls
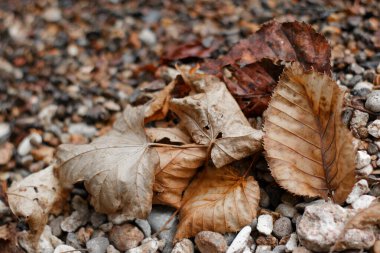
(8, 239)
(212, 117)
(117, 169)
(253, 61)
(33, 198)
(308, 149)
(366, 218)
(218, 200)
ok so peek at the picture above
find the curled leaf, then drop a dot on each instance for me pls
(218, 200)
(366, 218)
(212, 117)
(117, 169)
(33, 198)
(308, 149)
(253, 62)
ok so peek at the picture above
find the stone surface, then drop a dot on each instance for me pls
(282, 227)
(5, 132)
(6, 152)
(374, 128)
(291, 244)
(144, 226)
(265, 224)
(373, 101)
(365, 171)
(74, 221)
(148, 37)
(286, 210)
(65, 248)
(111, 249)
(279, 249)
(26, 144)
(52, 14)
(241, 241)
(363, 202)
(301, 250)
(82, 129)
(210, 242)
(125, 237)
(360, 188)
(97, 219)
(183, 246)
(263, 249)
(321, 226)
(359, 119)
(98, 245)
(362, 159)
(149, 246)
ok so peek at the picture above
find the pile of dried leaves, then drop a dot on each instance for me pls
(203, 165)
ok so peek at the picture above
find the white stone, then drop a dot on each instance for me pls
(183, 246)
(291, 244)
(363, 85)
(52, 14)
(366, 171)
(373, 101)
(149, 246)
(265, 224)
(82, 129)
(362, 159)
(360, 188)
(65, 248)
(374, 128)
(363, 202)
(26, 144)
(45, 115)
(241, 240)
(359, 119)
(263, 249)
(148, 37)
(5, 132)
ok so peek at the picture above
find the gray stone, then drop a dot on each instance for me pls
(263, 249)
(5, 132)
(111, 249)
(26, 145)
(144, 226)
(55, 225)
(97, 219)
(210, 242)
(286, 210)
(125, 237)
(97, 245)
(82, 129)
(264, 199)
(148, 246)
(374, 128)
(282, 227)
(229, 237)
(355, 68)
(74, 221)
(72, 240)
(65, 248)
(373, 101)
(359, 119)
(241, 241)
(291, 244)
(183, 246)
(279, 249)
(52, 14)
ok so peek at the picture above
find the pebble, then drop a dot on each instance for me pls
(373, 101)
(150, 246)
(265, 224)
(97, 219)
(210, 242)
(355, 68)
(183, 246)
(74, 221)
(360, 188)
(55, 225)
(279, 249)
(82, 129)
(362, 159)
(363, 202)
(286, 210)
(52, 14)
(366, 171)
(229, 237)
(372, 149)
(125, 237)
(282, 227)
(363, 88)
(46, 114)
(263, 249)
(6, 152)
(148, 37)
(301, 250)
(65, 248)
(374, 128)
(144, 226)
(157, 219)
(72, 240)
(291, 244)
(26, 145)
(264, 199)
(4, 209)
(98, 245)
(241, 240)
(321, 226)
(111, 249)
(359, 119)
(5, 132)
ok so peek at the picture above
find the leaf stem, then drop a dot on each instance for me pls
(177, 146)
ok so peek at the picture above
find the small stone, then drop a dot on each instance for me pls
(55, 225)
(286, 210)
(254, 224)
(264, 199)
(183, 246)
(74, 221)
(111, 249)
(72, 240)
(374, 128)
(97, 219)
(263, 249)
(372, 149)
(97, 245)
(363, 202)
(356, 69)
(82, 129)
(279, 249)
(366, 171)
(149, 246)
(301, 250)
(112, 106)
(65, 248)
(267, 240)
(5, 132)
(125, 237)
(292, 242)
(362, 159)
(229, 237)
(240, 241)
(106, 227)
(210, 242)
(52, 14)
(144, 226)
(148, 37)
(373, 101)
(265, 224)
(282, 227)
(27, 143)
(6, 152)
(360, 188)
(359, 119)
(363, 87)
(46, 114)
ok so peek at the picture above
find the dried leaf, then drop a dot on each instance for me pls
(166, 135)
(33, 198)
(117, 169)
(159, 106)
(309, 150)
(365, 218)
(212, 117)
(177, 166)
(253, 61)
(218, 200)
(8, 239)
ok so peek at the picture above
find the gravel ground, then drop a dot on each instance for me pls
(67, 67)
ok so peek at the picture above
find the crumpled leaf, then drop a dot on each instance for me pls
(33, 198)
(218, 200)
(366, 218)
(308, 149)
(177, 165)
(253, 62)
(212, 117)
(117, 169)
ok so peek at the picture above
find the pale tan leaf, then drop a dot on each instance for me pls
(159, 106)
(117, 169)
(219, 200)
(33, 198)
(366, 218)
(171, 134)
(309, 150)
(212, 117)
